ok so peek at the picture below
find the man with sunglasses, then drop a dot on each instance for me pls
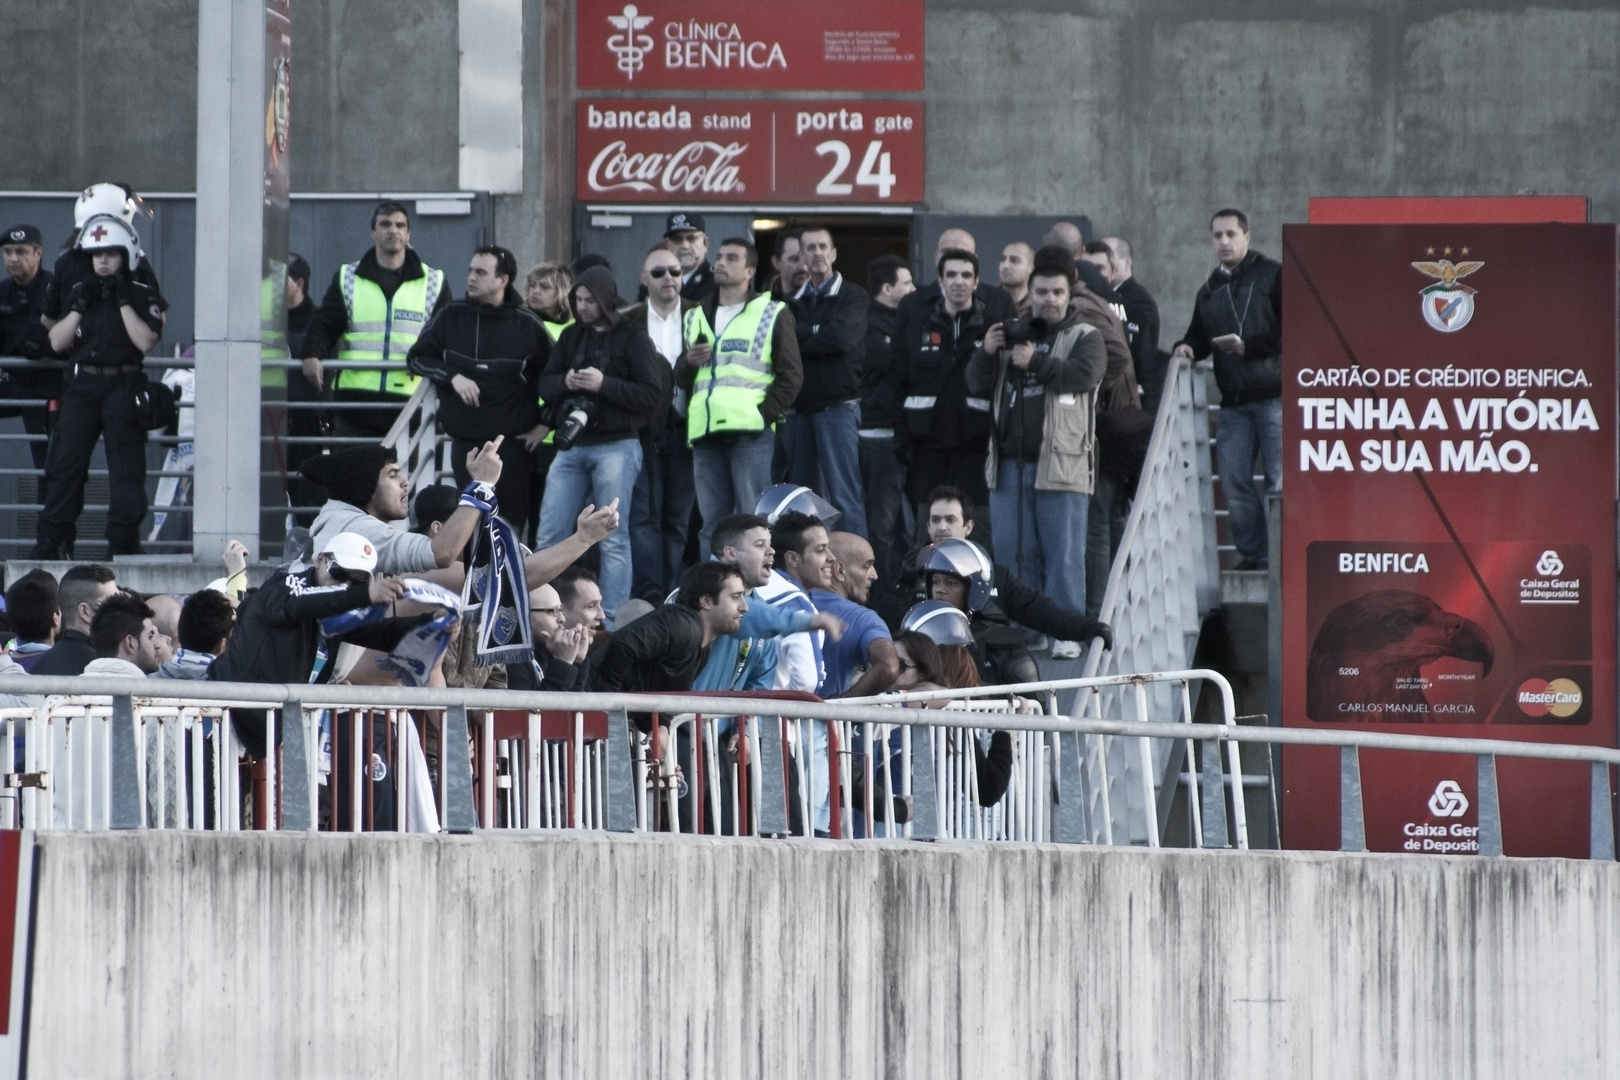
(661, 506)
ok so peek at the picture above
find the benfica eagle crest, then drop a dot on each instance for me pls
(1447, 304)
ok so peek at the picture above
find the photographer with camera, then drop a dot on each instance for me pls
(603, 384)
(1041, 374)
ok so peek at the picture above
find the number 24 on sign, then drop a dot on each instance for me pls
(874, 172)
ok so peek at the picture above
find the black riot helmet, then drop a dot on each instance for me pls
(963, 559)
(939, 622)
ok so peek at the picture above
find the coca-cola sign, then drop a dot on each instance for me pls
(874, 45)
(760, 153)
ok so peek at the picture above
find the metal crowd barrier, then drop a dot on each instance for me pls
(109, 753)
(414, 436)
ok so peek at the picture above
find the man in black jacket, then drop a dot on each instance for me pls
(936, 331)
(382, 283)
(690, 243)
(485, 353)
(304, 423)
(883, 421)
(278, 634)
(666, 649)
(23, 292)
(1238, 316)
(79, 596)
(1141, 315)
(605, 382)
(820, 435)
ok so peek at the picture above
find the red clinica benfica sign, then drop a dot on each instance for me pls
(871, 45)
(760, 152)
(1449, 482)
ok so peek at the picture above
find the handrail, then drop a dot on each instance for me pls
(717, 705)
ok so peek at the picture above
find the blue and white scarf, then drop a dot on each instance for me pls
(495, 587)
(413, 658)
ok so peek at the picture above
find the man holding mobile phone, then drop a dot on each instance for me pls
(1238, 317)
(740, 373)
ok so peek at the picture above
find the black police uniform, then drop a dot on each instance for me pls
(22, 334)
(100, 398)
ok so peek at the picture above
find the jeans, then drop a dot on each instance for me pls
(597, 473)
(730, 473)
(1105, 527)
(1052, 556)
(661, 515)
(93, 405)
(1242, 431)
(823, 456)
(883, 479)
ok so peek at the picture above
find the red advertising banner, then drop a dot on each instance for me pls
(871, 45)
(701, 151)
(1449, 483)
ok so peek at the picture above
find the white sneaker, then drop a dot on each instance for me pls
(1065, 650)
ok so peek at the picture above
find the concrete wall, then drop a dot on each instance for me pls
(1145, 115)
(266, 956)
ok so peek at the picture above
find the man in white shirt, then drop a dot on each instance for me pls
(661, 508)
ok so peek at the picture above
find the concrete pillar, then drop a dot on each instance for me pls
(243, 54)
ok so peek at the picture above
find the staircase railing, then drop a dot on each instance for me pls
(1164, 580)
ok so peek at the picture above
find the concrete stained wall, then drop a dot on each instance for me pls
(1145, 115)
(590, 955)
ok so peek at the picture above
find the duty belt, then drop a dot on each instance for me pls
(116, 369)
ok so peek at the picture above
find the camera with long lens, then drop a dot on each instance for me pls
(1025, 331)
(573, 414)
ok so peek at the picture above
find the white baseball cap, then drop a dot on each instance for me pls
(352, 552)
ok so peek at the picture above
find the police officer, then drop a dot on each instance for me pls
(22, 334)
(960, 573)
(74, 264)
(111, 322)
(374, 310)
(740, 375)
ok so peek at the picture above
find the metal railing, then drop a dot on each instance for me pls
(413, 435)
(108, 754)
(1164, 580)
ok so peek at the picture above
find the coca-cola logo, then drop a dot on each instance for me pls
(700, 165)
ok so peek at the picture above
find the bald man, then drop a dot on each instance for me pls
(1141, 319)
(166, 617)
(863, 660)
(1066, 234)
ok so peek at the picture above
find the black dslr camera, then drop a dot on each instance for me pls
(1025, 331)
(572, 415)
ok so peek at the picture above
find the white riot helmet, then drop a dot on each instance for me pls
(112, 200)
(108, 233)
(782, 498)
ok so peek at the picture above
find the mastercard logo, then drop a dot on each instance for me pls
(1538, 697)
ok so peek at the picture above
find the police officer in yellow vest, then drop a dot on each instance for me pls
(374, 310)
(741, 373)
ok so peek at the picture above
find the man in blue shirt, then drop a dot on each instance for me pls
(863, 661)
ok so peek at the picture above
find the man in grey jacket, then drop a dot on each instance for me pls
(1043, 452)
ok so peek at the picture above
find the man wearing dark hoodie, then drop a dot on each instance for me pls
(605, 371)
(486, 353)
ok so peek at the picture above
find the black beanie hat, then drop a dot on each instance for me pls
(350, 474)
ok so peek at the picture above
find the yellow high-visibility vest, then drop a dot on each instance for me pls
(730, 388)
(382, 329)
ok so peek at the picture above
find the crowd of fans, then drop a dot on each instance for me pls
(729, 484)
